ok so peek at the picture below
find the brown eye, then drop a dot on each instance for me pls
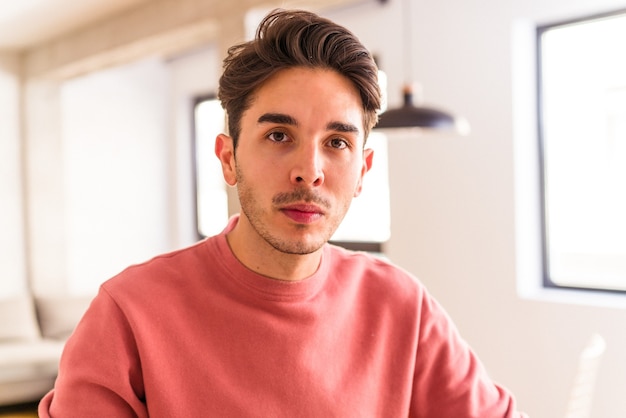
(338, 143)
(278, 136)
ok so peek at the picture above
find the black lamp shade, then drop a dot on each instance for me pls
(410, 116)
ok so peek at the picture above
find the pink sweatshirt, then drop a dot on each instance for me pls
(194, 333)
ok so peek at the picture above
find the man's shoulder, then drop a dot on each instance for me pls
(174, 257)
(164, 268)
(370, 260)
(374, 268)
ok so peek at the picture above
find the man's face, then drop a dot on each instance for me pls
(299, 160)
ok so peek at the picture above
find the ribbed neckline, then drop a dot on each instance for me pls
(262, 286)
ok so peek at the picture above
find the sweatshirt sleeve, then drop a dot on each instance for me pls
(100, 372)
(450, 381)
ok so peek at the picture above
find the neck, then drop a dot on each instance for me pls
(259, 256)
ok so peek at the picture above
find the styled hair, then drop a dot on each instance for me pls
(296, 38)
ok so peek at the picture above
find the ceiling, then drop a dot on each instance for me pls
(28, 23)
(64, 38)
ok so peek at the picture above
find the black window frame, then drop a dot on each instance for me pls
(547, 281)
(196, 100)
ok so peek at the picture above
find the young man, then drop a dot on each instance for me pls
(267, 319)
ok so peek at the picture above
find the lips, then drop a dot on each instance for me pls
(303, 213)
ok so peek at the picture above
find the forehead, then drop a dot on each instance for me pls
(309, 95)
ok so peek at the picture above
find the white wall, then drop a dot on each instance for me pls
(43, 187)
(12, 251)
(114, 126)
(110, 170)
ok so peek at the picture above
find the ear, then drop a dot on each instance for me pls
(368, 158)
(225, 151)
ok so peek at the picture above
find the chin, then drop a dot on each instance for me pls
(298, 247)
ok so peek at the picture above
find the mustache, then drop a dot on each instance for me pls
(300, 195)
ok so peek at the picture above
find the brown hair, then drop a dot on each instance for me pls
(296, 38)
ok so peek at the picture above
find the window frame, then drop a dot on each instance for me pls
(546, 280)
(195, 102)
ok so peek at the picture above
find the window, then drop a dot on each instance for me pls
(368, 222)
(582, 133)
(211, 195)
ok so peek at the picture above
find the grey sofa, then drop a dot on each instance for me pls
(33, 331)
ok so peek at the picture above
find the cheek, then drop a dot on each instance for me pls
(258, 178)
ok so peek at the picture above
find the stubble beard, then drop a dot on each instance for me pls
(253, 210)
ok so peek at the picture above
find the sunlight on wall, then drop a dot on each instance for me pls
(12, 257)
(114, 126)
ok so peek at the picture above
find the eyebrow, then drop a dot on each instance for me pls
(342, 127)
(280, 118)
(284, 119)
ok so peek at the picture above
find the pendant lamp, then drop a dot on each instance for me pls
(412, 115)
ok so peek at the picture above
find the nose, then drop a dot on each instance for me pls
(307, 167)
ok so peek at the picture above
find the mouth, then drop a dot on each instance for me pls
(303, 213)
